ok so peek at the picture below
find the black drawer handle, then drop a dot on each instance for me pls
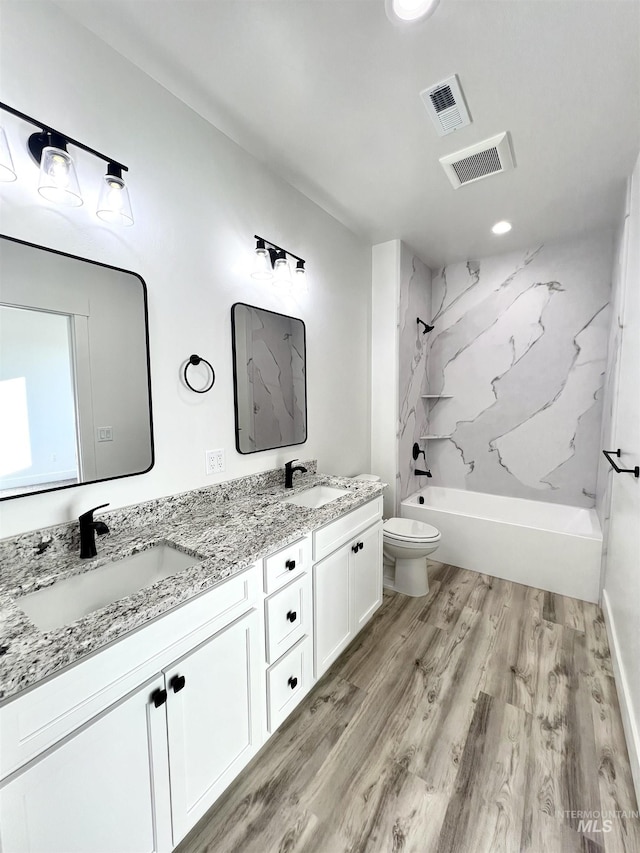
(177, 683)
(360, 546)
(290, 564)
(293, 682)
(292, 616)
(354, 548)
(159, 697)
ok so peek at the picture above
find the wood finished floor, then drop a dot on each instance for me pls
(468, 721)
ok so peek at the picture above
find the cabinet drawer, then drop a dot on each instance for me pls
(287, 564)
(337, 533)
(37, 719)
(287, 682)
(287, 617)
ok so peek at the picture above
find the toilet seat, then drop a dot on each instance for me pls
(409, 530)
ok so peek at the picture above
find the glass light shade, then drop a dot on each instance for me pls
(282, 273)
(300, 277)
(58, 179)
(262, 265)
(114, 205)
(502, 227)
(411, 10)
(7, 172)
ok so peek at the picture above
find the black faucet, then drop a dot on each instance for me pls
(88, 529)
(415, 453)
(289, 468)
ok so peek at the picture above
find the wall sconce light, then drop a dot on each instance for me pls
(58, 180)
(272, 264)
(114, 205)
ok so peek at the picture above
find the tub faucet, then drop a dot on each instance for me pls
(420, 473)
(289, 468)
(88, 530)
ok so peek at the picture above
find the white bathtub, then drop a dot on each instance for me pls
(551, 546)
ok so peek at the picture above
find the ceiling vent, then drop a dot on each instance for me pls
(482, 160)
(445, 104)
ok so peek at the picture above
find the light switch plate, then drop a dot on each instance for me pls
(214, 461)
(105, 433)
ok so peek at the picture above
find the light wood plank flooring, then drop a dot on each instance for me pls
(474, 720)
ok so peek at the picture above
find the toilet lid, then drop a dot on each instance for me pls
(409, 528)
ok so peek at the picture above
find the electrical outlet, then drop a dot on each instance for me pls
(214, 461)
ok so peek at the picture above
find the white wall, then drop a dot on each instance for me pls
(197, 199)
(384, 367)
(620, 500)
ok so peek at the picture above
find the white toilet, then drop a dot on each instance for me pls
(406, 545)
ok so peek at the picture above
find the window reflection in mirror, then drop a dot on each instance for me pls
(38, 441)
(75, 404)
(270, 383)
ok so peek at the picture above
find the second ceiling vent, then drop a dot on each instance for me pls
(445, 105)
(486, 158)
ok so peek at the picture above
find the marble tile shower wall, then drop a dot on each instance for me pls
(520, 341)
(609, 397)
(415, 301)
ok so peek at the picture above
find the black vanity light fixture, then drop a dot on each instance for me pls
(58, 180)
(271, 264)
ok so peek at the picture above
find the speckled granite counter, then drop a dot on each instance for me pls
(226, 527)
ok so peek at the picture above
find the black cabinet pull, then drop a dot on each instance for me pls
(354, 548)
(292, 616)
(293, 682)
(290, 564)
(177, 683)
(360, 546)
(159, 697)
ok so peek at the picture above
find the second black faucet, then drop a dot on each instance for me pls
(289, 468)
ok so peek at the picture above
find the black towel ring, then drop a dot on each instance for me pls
(196, 359)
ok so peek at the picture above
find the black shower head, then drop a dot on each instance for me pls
(427, 327)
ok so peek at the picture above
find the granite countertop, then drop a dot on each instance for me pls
(226, 537)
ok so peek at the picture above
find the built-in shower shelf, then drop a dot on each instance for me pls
(437, 396)
(427, 437)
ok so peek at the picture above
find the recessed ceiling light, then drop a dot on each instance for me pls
(501, 227)
(410, 10)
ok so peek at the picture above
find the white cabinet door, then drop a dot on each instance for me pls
(215, 696)
(103, 790)
(367, 576)
(332, 608)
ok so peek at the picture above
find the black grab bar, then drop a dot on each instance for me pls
(635, 471)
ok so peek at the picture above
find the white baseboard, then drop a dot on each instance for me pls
(628, 719)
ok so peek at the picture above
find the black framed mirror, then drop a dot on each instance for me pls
(75, 383)
(269, 378)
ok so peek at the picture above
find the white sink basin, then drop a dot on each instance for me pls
(67, 600)
(316, 497)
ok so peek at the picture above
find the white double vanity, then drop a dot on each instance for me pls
(125, 748)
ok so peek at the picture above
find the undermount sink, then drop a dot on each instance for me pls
(316, 497)
(70, 599)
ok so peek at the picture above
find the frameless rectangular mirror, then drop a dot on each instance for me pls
(269, 378)
(75, 395)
